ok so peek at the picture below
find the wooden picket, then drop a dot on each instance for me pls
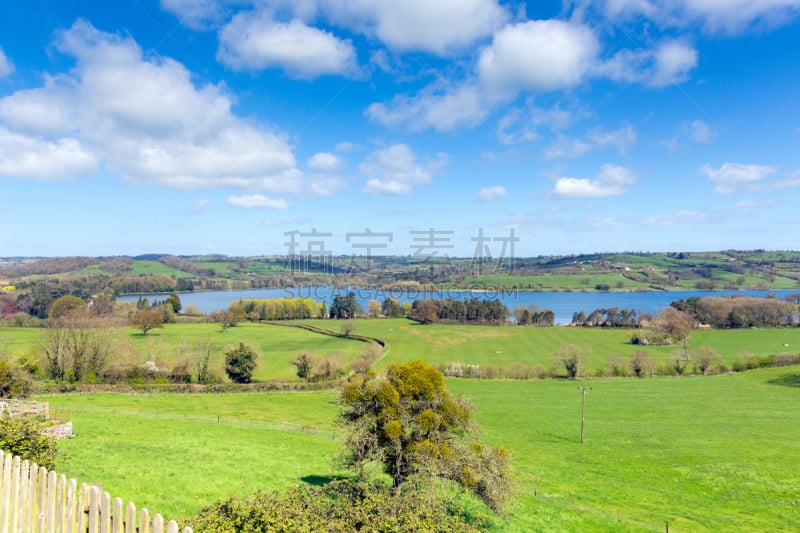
(33, 500)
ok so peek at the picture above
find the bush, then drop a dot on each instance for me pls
(240, 363)
(519, 371)
(14, 382)
(339, 506)
(21, 436)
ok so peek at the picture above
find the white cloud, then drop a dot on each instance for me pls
(716, 16)
(6, 66)
(436, 26)
(487, 194)
(610, 181)
(536, 56)
(324, 162)
(668, 63)
(149, 121)
(731, 175)
(606, 222)
(596, 139)
(253, 201)
(196, 14)
(700, 132)
(24, 156)
(255, 41)
(394, 170)
(444, 109)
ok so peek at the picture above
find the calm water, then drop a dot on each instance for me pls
(563, 304)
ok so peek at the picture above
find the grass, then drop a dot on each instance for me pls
(702, 453)
(277, 345)
(504, 345)
(169, 453)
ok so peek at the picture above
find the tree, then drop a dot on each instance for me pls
(571, 356)
(174, 302)
(304, 362)
(147, 320)
(348, 327)
(424, 311)
(411, 425)
(641, 364)
(240, 363)
(74, 347)
(706, 358)
(374, 308)
(66, 305)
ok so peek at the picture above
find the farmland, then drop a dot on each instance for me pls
(703, 453)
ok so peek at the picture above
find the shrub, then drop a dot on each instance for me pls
(519, 371)
(641, 364)
(339, 506)
(21, 436)
(240, 363)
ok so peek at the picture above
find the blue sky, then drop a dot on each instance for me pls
(214, 126)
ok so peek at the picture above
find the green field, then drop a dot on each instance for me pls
(277, 345)
(504, 345)
(702, 453)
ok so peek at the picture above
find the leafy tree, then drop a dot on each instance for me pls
(344, 306)
(572, 357)
(147, 320)
(424, 311)
(240, 363)
(66, 305)
(411, 425)
(304, 363)
(374, 308)
(23, 437)
(174, 302)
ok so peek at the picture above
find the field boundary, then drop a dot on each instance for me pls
(35, 500)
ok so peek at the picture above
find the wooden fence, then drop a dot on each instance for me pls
(33, 500)
(27, 408)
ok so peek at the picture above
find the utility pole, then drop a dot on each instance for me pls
(583, 406)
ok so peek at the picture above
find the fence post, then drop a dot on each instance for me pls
(6, 492)
(130, 518)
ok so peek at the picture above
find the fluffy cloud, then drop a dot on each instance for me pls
(732, 175)
(394, 170)
(148, 120)
(487, 194)
(253, 201)
(536, 56)
(611, 181)
(596, 139)
(717, 16)
(668, 63)
(31, 157)
(700, 132)
(255, 41)
(533, 56)
(436, 26)
(6, 66)
(196, 14)
(324, 162)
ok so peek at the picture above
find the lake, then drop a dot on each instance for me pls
(563, 304)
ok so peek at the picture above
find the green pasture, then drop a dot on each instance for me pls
(276, 345)
(504, 345)
(557, 282)
(155, 268)
(172, 454)
(702, 453)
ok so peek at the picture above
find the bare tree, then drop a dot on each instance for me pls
(75, 346)
(572, 357)
(706, 358)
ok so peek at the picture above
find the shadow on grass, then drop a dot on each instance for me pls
(319, 481)
(787, 380)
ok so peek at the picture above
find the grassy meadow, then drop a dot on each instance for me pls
(701, 453)
(504, 345)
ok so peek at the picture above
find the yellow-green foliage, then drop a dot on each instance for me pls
(280, 308)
